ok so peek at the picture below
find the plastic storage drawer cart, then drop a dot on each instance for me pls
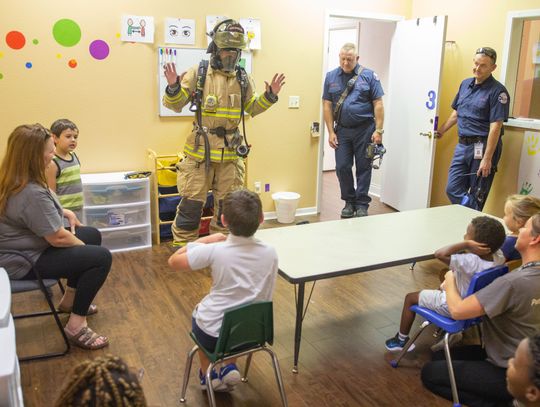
(119, 208)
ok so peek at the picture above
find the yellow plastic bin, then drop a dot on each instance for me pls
(286, 204)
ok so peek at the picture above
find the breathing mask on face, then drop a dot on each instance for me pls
(228, 40)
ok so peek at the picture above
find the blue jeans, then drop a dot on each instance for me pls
(352, 146)
(463, 162)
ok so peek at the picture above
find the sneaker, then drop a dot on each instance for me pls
(230, 376)
(217, 384)
(347, 211)
(360, 211)
(456, 338)
(395, 345)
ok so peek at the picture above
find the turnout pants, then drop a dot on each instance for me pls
(194, 182)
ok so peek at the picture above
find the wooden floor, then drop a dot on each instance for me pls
(145, 310)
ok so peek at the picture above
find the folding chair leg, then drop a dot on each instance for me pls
(395, 362)
(58, 324)
(209, 389)
(277, 372)
(187, 372)
(451, 371)
(246, 370)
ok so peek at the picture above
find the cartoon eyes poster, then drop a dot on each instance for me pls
(179, 31)
(137, 29)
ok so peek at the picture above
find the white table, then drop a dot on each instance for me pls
(330, 249)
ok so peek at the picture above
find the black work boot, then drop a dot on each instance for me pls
(360, 211)
(348, 211)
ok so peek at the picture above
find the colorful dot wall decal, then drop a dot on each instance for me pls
(15, 39)
(1, 76)
(99, 49)
(28, 65)
(67, 32)
(35, 41)
(72, 63)
(58, 56)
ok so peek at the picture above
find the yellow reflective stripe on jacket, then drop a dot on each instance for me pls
(263, 102)
(228, 113)
(249, 104)
(216, 155)
(181, 97)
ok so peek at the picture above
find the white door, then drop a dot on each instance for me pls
(336, 38)
(411, 115)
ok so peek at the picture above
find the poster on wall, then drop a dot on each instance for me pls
(529, 165)
(179, 31)
(252, 27)
(137, 29)
(211, 22)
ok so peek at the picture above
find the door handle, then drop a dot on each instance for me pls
(428, 134)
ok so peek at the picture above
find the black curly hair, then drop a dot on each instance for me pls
(489, 231)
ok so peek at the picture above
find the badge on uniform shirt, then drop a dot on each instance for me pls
(375, 76)
(503, 98)
(478, 150)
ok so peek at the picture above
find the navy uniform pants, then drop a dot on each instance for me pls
(352, 143)
(463, 163)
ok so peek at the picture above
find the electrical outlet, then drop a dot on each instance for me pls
(294, 102)
(257, 187)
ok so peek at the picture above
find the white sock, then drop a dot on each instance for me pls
(402, 337)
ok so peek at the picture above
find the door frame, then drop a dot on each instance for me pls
(328, 14)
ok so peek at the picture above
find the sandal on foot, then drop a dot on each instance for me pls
(93, 309)
(86, 339)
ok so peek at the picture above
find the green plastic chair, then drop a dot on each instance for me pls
(246, 329)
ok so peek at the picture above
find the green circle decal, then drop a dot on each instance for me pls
(67, 32)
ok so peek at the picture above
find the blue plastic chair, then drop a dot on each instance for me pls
(451, 326)
(246, 329)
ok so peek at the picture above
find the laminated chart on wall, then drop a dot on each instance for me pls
(137, 29)
(252, 26)
(529, 165)
(185, 58)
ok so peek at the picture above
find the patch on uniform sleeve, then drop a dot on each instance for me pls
(503, 98)
(375, 76)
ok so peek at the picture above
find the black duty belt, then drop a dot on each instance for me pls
(471, 140)
(221, 131)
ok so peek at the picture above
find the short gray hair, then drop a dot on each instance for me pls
(348, 46)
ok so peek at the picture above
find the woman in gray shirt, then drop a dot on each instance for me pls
(31, 222)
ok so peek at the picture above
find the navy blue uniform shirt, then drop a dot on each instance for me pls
(479, 105)
(358, 106)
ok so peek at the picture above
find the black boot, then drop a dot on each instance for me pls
(348, 211)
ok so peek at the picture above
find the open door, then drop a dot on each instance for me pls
(412, 112)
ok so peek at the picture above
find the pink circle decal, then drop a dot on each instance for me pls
(99, 49)
(15, 39)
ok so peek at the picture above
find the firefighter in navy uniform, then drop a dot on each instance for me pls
(220, 94)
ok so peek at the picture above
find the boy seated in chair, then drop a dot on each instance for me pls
(243, 270)
(478, 251)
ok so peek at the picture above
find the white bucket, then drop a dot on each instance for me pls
(286, 204)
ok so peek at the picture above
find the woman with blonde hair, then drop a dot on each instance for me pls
(31, 222)
(517, 210)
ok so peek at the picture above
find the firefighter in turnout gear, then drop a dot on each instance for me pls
(220, 94)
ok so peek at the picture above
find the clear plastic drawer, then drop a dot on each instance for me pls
(117, 217)
(126, 239)
(119, 193)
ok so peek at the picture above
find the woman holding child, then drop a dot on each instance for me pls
(31, 221)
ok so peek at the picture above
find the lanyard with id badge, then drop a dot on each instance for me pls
(478, 150)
